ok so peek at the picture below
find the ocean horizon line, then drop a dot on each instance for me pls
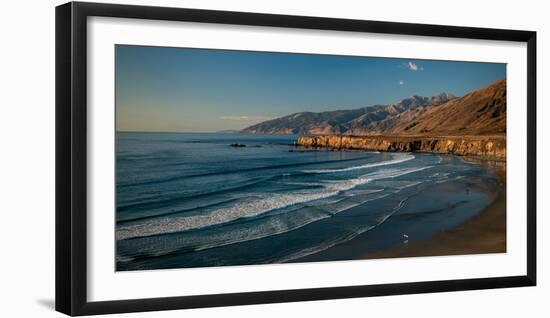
(198, 132)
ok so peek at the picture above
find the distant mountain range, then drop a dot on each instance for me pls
(480, 112)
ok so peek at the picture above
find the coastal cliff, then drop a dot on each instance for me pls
(491, 147)
(471, 125)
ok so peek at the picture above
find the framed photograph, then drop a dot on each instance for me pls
(209, 158)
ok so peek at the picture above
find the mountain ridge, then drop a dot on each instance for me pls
(482, 111)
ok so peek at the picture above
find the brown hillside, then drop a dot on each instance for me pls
(481, 112)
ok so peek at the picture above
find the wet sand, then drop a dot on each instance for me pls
(482, 231)
(481, 234)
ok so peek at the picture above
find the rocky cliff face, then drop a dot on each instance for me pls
(491, 147)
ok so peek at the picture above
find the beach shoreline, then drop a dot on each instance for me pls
(483, 233)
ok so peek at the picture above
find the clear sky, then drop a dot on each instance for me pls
(199, 90)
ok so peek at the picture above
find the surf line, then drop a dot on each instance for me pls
(397, 159)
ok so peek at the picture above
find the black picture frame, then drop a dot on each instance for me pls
(71, 157)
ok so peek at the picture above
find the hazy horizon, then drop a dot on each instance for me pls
(184, 90)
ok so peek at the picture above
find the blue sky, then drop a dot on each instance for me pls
(199, 90)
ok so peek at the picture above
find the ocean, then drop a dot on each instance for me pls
(191, 200)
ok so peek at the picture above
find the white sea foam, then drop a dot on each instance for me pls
(197, 241)
(307, 184)
(328, 244)
(252, 207)
(249, 208)
(274, 225)
(396, 158)
(124, 258)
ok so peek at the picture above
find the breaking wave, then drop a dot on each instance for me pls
(397, 158)
(252, 207)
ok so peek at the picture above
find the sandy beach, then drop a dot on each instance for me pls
(481, 234)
